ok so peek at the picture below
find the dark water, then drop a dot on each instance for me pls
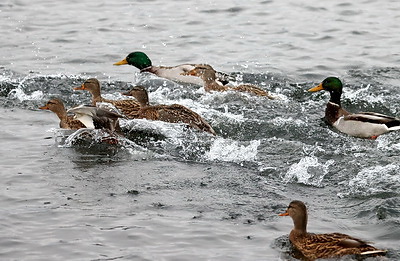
(169, 193)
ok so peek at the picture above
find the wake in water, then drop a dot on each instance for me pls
(249, 128)
(170, 140)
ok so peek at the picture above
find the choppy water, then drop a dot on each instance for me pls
(174, 194)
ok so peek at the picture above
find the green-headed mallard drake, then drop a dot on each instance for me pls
(207, 74)
(174, 113)
(66, 121)
(363, 124)
(96, 118)
(141, 61)
(129, 108)
(314, 246)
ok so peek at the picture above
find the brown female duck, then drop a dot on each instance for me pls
(207, 74)
(129, 108)
(314, 246)
(66, 121)
(174, 113)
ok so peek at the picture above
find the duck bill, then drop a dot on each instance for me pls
(44, 107)
(316, 88)
(82, 87)
(122, 62)
(284, 214)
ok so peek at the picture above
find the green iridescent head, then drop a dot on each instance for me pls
(138, 59)
(333, 85)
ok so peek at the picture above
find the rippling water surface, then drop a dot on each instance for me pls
(169, 193)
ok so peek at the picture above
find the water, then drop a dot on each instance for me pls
(169, 193)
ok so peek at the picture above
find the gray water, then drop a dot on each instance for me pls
(169, 193)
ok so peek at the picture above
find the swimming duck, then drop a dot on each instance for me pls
(96, 118)
(174, 113)
(66, 121)
(363, 124)
(208, 76)
(141, 61)
(129, 108)
(314, 246)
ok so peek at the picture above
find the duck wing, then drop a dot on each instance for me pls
(178, 113)
(96, 118)
(316, 246)
(375, 118)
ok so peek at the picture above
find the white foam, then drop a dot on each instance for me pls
(374, 180)
(231, 151)
(19, 94)
(280, 121)
(170, 130)
(364, 93)
(308, 171)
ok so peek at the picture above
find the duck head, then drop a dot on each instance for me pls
(333, 85)
(91, 85)
(298, 212)
(54, 105)
(138, 59)
(140, 94)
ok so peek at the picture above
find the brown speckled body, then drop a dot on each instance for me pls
(314, 246)
(174, 113)
(207, 74)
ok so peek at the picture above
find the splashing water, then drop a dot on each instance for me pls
(19, 94)
(374, 180)
(308, 171)
(230, 150)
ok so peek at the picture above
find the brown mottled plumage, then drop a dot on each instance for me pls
(207, 74)
(174, 113)
(129, 108)
(66, 122)
(314, 246)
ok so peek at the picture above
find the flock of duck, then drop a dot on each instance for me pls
(364, 125)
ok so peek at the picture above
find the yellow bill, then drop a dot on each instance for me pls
(316, 88)
(122, 62)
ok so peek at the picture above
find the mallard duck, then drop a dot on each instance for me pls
(363, 124)
(66, 121)
(208, 76)
(141, 61)
(128, 107)
(96, 118)
(314, 246)
(174, 113)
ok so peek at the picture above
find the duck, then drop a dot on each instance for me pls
(66, 121)
(93, 117)
(208, 75)
(129, 108)
(175, 73)
(315, 246)
(363, 124)
(174, 113)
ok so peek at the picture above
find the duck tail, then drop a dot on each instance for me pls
(393, 125)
